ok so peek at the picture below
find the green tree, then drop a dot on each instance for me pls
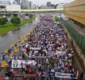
(15, 20)
(56, 18)
(3, 21)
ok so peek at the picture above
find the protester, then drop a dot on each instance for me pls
(47, 39)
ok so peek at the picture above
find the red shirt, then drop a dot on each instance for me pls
(1, 78)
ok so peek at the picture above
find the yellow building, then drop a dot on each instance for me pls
(76, 11)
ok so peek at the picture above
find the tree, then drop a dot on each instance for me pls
(3, 21)
(15, 20)
(56, 18)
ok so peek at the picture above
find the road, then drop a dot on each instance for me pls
(12, 37)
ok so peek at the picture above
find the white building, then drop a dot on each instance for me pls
(5, 2)
(10, 7)
(37, 7)
(34, 6)
(61, 5)
(13, 7)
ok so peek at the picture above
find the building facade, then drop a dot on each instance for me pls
(30, 5)
(61, 5)
(18, 1)
(48, 4)
(24, 4)
(76, 11)
(4, 2)
(12, 7)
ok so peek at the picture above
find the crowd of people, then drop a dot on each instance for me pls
(47, 39)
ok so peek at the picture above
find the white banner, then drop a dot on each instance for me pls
(65, 75)
(21, 63)
(35, 49)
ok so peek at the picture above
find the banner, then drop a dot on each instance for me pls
(41, 57)
(21, 63)
(35, 49)
(59, 75)
(65, 75)
(44, 74)
(51, 74)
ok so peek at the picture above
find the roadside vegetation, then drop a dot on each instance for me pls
(15, 23)
(3, 21)
(56, 19)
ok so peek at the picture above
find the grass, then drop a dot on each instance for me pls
(9, 26)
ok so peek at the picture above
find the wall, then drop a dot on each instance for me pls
(76, 11)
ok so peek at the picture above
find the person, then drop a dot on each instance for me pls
(81, 76)
(26, 69)
(8, 74)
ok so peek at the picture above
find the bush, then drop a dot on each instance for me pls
(15, 20)
(56, 18)
(3, 21)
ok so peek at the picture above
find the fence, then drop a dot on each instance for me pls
(79, 38)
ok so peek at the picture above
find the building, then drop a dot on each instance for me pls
(30, 5)
(18, 1)
(5, 2)
(34, 6)
(24, 4)
(76, 11)
(37, 6)
(48, 4)
(14, 2)
(2, 7)
(12, 7)
(61, 6)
